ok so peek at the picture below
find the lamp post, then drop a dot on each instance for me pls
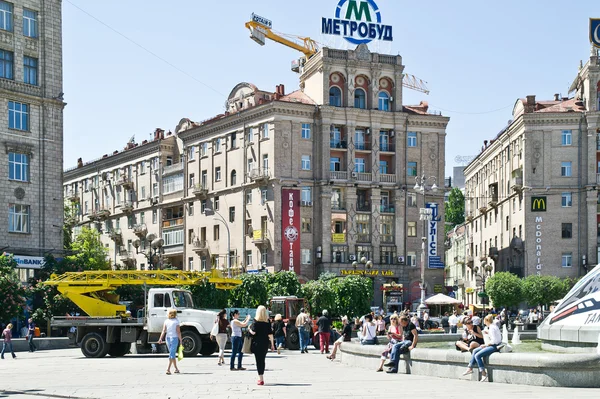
(221, 219)
(425, 214)
(154, 251)
(486, 270)
(363, 260)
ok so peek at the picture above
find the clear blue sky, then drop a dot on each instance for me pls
(477, 58)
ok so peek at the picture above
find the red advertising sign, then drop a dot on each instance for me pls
(290, 230)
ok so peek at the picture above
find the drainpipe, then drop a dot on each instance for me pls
(579, 180)
(245, 233)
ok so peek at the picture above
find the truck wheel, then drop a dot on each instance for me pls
(94, 345)
(292, 341)
(119, 349)
(191, 343)
(208, 348)
(316, 341)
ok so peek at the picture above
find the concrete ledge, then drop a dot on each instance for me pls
(540, 369)
(21, 345)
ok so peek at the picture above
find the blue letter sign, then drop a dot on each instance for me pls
(354, 21)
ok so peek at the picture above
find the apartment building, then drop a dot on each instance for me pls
(532, 193)
(31, 126)
(317, 179)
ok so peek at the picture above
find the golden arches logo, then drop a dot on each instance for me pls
(538, 204)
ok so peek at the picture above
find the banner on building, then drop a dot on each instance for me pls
(595, 31)
(290, 230)
(434, 261)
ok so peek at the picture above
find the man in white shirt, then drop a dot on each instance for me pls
(453, 322)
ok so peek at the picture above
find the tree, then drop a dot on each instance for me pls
(455, 209)
(88, 251)
(251, 293)
(70, 220)
(353, 295)
(319, 295)
(284, 283)
(504, 289)
(12, 299)
(543, 290)
(206, 295)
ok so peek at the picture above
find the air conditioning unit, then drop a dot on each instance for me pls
(352, 257)
(354, 174)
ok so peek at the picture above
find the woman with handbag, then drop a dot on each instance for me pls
(221, 336)
(262, 334)
(236, 339)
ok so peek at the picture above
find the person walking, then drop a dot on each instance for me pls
(345, 337)
(262, 334)
(172, 330)
(305, 326)
(479, 353)
(30, 335)
(324, 331)
(445, 322)
(453, 322)
(236, 339)
(222, 335)
(7, 341)
(380, 325)
(279, 332)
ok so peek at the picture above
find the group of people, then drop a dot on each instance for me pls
(7, 337)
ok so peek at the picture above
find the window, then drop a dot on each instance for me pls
(30, 25)
(169, 161)
(383, 167)
(565, 169)
(203, 149)
(248, 258)
(250, 135)
(30, 70)
(250, 164)
(411, 259)
(567, 230)
(249, 197)
(173, 237)
(18, 218)
(155, 189)
(411, 139)
(306, 130)
(218, 173)
(567, 259)
(190, 263)
(191, 153)
(216, 232)
(412, 229)
(265, 160)
(18, 166)
(233, 177)
(143, 192)
(142, 167)
(216, 203)
(388, 255)
(359, 165)
(335, 96)
(231, 214)
(306, 222)
(305, 256)
(172, 184)
(566, 137)
(306, 196)
(264, 256)
(202, 206)
(233, 140)
(265, 131)
(384, 101)
(339, 253)
(6, 64)
(412, 200)
(411, 169)
(359, 139)
(192, 181)
(360, 99)
(363, 227)
(191, 209)
(305, 162)
(218, 145)
(263, 196)
(567, 200)
(6, 16)
(335, 164)
(18, 116)
(386, 229)
(384, 140)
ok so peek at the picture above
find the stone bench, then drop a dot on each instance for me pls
(540, 368)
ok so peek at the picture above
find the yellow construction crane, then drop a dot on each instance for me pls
(93, 291)
(261, 28)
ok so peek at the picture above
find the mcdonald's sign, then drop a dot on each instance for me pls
(538, 204)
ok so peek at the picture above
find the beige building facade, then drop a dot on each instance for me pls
(31, 126)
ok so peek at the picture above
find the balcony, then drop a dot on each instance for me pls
(387, 147)
(140, 230)
(201, 247)
(363, 206)
(172, 169)
(338, 206)
(260, 176)
(362, 146)
(127, 257)
(260, 238)
(72, 197)
(387, 178)
(362, 176)
(338, 175)
(172, 223)
(99, 214)
(200, 191)
(387, 209)
(126, 182)
(116, 236)
(386, 239)
(338, 144)
(127, 207)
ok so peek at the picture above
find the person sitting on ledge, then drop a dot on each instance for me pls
(472, 337)
(485, 350)
(410, 337)
(346, 337)
(394, 335)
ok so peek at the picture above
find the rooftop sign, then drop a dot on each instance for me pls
(358, 21)
(595, 31)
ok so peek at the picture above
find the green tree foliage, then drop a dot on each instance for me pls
(251, 293)
(353, 295)
(455, 208)
(319, 295)
(206, 295)
(12, 297)
(284, 283)
(543, 290)
(504, 289)
(88, 251)
(70, 220)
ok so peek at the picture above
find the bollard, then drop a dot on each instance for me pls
(504, 334)
(516, 339)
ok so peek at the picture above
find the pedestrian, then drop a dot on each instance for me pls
(445, 323)
(30, 335)
(394, 335)
(415, 321)
(485, 350)
(7, 340)
(369, 332)
(325, 331)
(345, 337)
(410, 337)
(305, 326)
(425, 320)
(380, 325)
(222, 335)
(236, 339)
(279, 332)
(453, 322)
(262, 334)
(172, 331)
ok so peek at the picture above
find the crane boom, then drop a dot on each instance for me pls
(258, 33)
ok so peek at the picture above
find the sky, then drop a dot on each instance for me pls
(131, 66)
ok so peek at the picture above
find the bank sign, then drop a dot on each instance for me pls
(434, 261)
(359, 22)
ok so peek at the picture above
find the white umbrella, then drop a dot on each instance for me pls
(441, 299)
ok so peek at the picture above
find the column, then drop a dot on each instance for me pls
(375, 242)
(325, 224)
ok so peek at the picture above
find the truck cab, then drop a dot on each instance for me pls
(289, 308)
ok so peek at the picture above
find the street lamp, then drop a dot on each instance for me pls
(363, 260)
(221, 219)
(154, 251)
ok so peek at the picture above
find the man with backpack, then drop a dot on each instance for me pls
(304, 326)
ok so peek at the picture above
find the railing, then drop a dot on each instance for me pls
(338, 205)
(387, 147)
(125, 180)
(387, 59)
(363, 207)
(260, 237)
(341, 144)
(259, 174)
(338, 175)
(140, 229)
(386, 209)
(337, 54)
(364, 176)
(362, 146)
(199, 190)
(172, 222)
(363, 238)
(387, 178)
(172, 168)
(200, 245)
(127, 206)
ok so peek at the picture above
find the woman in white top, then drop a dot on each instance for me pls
(236, 339)
(495, 339)
(173, 337)
(369, 331)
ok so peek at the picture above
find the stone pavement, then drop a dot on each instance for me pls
(67, 374)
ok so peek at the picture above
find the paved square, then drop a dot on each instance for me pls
(67, 374)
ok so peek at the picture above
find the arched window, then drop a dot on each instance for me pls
(335, 96)
(360, 99)
(233, 177)
(384, 101)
